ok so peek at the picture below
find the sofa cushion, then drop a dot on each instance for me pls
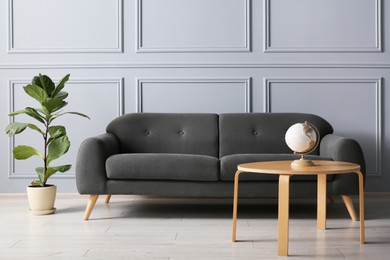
(150, 166)
(262, 132)
(167, 133)
(229, 166)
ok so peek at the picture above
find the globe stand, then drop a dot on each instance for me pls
(301, 163)
(296, 139)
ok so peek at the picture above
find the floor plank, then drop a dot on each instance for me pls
(136, 227)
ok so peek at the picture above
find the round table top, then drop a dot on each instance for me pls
(284, 167)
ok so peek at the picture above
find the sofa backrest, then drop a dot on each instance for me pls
(209, 134)
(167, 133)
(262, 132)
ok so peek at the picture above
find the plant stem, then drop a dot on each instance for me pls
(45, 154)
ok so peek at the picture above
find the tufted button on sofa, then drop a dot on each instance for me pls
(196, 155)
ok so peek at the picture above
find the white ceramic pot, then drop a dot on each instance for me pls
(41, 199)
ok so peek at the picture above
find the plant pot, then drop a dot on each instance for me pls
(41, 199)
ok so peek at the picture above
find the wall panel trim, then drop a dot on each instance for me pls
(141, 49)
(377, 172)
(140, 81)
(267, 47)
(13, 50)
(178, 65)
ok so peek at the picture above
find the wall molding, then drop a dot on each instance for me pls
(119, 82)
(245, 81)
(174, 65)
(377, 172)
(142, 49)
(267, 47)
(13, 50)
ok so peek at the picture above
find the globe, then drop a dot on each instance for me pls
(302, 138)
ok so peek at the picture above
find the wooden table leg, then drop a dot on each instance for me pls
(235, 202)
(361, 206)
(283, 214)
(321, 201)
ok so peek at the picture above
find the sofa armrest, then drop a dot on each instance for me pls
(91, 177)
(348, 150)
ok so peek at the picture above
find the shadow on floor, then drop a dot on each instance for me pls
(222, 209)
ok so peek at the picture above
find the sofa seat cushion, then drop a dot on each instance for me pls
(153, 166)
(229, 166)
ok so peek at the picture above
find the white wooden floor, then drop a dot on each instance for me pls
(134, 227)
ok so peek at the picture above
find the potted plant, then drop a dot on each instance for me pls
(55, 142)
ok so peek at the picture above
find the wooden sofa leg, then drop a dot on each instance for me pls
(91, 204)
(108, 197)
(349, 204)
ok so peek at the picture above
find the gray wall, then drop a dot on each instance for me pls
(329, 57)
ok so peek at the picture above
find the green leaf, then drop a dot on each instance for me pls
(56, 132)
(62, 95)
(50, 171)
(53, 170)
(32, 112)
(22, 152)
(59, 87)
(36, 81)
(57, 148)
(36, 128)
(15, 128)
(36, 92)
(37, 183)
(62, 168)
(73, 113)
(47, 84)
(77, 113)
(24, 111)
(35, 114)
(41, 176)
(53, 105)
(40, 110)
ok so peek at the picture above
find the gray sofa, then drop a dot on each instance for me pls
(196, 155)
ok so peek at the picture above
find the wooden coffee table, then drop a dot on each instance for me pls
(284, 170)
